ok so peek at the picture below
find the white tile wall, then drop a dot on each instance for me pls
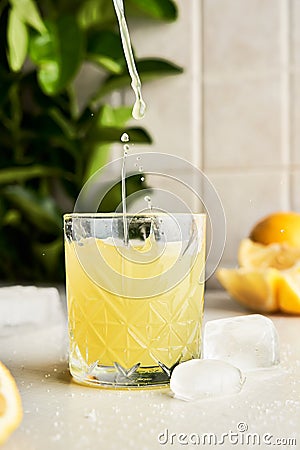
(296, 190)
(242, 127)
(235, 112)
(295, 116)
(240, 36)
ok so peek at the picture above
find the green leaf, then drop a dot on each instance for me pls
(104, 48)
(112, 198)
(149, 69)
(157, 9)
(113, 134)
(28, 13)
(96, 13)
(17, 38)
(98, 157)
(114, 117)
(40, 211)
(58, 54)
(19, 174)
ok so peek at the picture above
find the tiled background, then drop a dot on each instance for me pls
(235, 112)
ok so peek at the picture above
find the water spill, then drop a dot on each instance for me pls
(139, 107)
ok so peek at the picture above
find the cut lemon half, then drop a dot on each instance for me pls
(10, 404)
(253, 255)
(255, 289)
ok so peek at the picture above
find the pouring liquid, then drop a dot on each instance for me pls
(139, 107)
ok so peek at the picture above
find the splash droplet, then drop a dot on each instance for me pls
(125, 137)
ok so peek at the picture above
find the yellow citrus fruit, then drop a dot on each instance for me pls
(289, 291)
(281, 227)
(255, 289)
(253, 255)
(10, 404)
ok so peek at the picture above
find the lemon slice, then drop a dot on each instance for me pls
(255, 289)
(10, 404)
(253, 255)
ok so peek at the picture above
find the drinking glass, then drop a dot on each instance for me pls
(135, 286)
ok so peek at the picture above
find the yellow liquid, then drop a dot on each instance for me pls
(152, 331)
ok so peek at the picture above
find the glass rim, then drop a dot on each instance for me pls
(128, 214)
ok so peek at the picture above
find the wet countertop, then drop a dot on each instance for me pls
(60, 414)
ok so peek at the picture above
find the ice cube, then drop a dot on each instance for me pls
(202, 378)
(248, 342)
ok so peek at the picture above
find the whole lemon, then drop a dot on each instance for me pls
(280, 227)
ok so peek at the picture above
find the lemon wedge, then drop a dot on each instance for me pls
(10, 404)
(289, 291)
(255, 289)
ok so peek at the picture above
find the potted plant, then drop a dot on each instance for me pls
(49, 145)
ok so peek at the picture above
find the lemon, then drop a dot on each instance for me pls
(253, 255)
(289, 291)
(10, 404)
(281, 227)
(255, 289)
(268, 279)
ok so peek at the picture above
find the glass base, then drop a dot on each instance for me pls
(118, 377)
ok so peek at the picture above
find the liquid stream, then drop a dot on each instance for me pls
(124, 138)
(139, 107)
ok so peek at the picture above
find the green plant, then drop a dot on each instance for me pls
(50, 146)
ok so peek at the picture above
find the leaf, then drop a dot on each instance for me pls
(157, 9)
(28, 13)
(96, 13)
(18, 174)
(97, 159)
(149, 69)
(114, 117)
(58, 54)
(17, 39)
(104, 48)
(113, 134)
(40, 211)
(112, 198)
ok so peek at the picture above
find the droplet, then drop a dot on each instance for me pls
(125, 137)
(141, 169)
(126, 147)
(142, 178)
(138, 158)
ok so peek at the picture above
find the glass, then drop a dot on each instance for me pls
(134, 310)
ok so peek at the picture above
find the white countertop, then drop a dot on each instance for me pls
(59, 414)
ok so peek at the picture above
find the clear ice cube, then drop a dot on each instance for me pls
(248, 342)
(205, 378)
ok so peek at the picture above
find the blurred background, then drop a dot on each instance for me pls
(221, 83)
